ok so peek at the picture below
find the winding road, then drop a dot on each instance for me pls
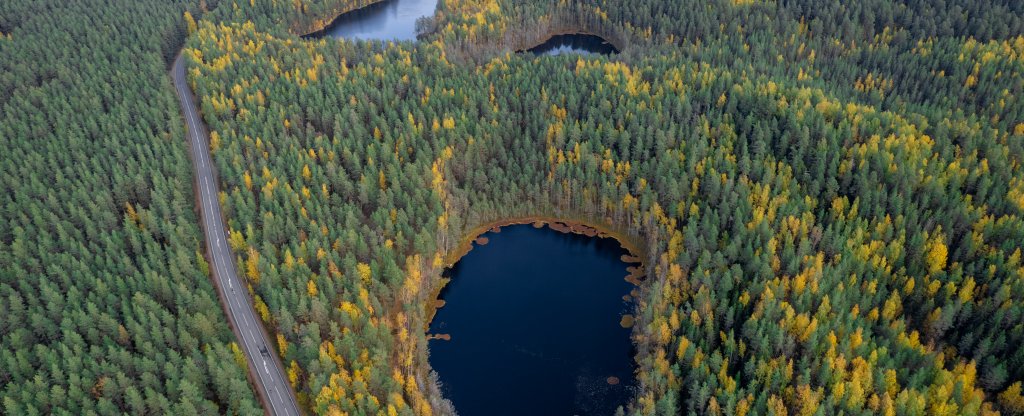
(264, 366)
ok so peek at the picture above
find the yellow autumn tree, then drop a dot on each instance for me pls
(936, 254)
(190, 23)
(1011, 399)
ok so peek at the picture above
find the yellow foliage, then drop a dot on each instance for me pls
(311, 288)
(252, 270)
(282, 344)
(238, 355)
(936, 256)
(1011, 399)
(365, 273)
(261, 308)
(293, 373)
(351, 309)
(190, 23)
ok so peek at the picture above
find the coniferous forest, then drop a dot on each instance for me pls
(827, 196)
(106, 306)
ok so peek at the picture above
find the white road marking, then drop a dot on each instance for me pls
(211, 220)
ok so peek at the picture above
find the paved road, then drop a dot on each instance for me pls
(266, 369)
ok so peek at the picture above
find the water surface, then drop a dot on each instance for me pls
(574, 43)
(387, 20)
(534, 322)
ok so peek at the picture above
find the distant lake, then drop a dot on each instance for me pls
(534, 319)
(574, 43)
(387, 20)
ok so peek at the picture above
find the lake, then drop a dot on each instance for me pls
(534, 319)
(387, 20)
(574, 43)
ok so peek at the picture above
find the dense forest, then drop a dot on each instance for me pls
(106, 306)
(830, 195)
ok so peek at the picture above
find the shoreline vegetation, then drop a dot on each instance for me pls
(634, 253)
(315, 29)
(617, 44)
(765, 191)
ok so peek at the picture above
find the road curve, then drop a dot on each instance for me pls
(266, 370)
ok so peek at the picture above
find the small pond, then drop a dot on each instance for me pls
(534, 318)
(574, 43)
(386, 20)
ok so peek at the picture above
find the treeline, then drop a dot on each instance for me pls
(107, 307)
(832, 201)
(283, 16)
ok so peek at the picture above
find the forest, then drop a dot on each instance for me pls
(828, 196)
(107, 305)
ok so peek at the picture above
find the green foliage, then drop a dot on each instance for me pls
(826, 228)
(106, 307)
(830, 195)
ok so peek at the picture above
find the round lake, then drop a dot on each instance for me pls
(534, 319)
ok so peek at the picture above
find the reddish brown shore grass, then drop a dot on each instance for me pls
(628, 258)
(635, 250)
(635, 253)
(613, 380)
(443, 337)
(627, 321)
(636, 274)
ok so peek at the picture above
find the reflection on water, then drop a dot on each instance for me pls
(574, 43)
(387, 20)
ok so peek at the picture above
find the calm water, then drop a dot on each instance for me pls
(574, 43)
(534, 322)
(388, 20)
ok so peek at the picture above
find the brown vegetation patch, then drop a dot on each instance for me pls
(481, 240)
(613, 380)
(636, 274)
(442, 337)
(562, 228)
(626, 321)
(439, 303)
(627, 298)
(629, 258)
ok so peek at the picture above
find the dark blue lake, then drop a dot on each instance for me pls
(534, 319)
(387, 20)
(574, 43)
